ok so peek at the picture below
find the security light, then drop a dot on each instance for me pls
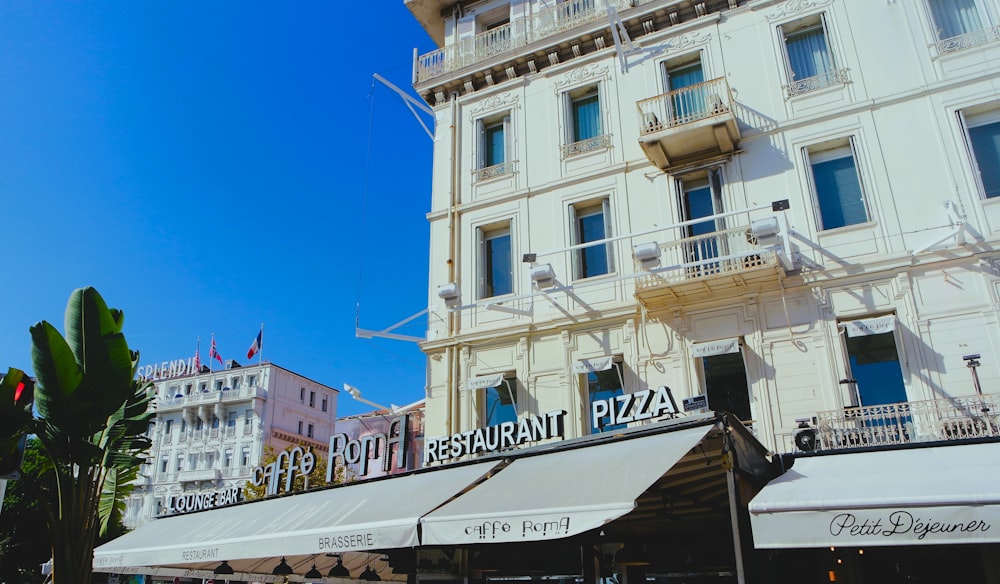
(543, 276)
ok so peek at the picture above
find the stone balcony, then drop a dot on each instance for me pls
(210, 397)
(688, 125)
(724, 263)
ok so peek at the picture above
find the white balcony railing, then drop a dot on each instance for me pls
(601, 142)
(968, 40)
(509, 37)
(816, 82)
(938, 420)
(211, 396)
(495, 171)
(729, 251)
(685, 105)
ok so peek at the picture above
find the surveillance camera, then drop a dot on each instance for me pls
(971, 357)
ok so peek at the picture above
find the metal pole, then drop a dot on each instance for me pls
(3, 491)
(735, 520)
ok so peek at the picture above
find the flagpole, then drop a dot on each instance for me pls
(197, 356)
(211, 366)
(260, 358)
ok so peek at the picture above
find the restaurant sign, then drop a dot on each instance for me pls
(495, 438)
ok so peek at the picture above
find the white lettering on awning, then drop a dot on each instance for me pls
(871, 326)
(710, 348)
(593, 365)
(485, 381)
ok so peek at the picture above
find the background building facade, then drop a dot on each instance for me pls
(211, 429)
(790, 207)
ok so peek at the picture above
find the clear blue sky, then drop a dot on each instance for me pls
(203, 165)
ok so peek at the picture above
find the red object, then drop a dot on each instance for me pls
(18, 391)
(255, 345)
(213, 354)
(197, 361)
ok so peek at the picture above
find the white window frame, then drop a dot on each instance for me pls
(985, 21)
(482, 125)
(483, 235)
(576, 211)
(571, 96)
(974, 119)
(833, 150)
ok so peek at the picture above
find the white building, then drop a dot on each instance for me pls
(790, 206)
(211, 429)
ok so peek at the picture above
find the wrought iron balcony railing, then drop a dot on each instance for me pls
(685, 105)
(509, 37)
(938, 420)
(210, 396)
(495, 171)
(968, 40)
(827, 79)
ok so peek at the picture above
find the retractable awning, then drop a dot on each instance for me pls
(932, 496)
(559, 494)
(376, 515)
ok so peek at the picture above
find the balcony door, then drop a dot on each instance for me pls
(687, 102)
(702, 197)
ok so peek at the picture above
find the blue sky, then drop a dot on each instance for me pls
(203, 165)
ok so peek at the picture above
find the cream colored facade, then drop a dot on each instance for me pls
(896, 102)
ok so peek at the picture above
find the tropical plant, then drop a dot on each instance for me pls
(92, 412)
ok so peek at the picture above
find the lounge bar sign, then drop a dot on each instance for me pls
(495, 438)
(199, 501)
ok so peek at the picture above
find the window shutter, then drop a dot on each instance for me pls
(480, 144)
(508, 141)
(481, 268)
(811, 179)
(608, 247)
(574, 234)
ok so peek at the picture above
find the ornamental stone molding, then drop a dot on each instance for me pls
(686, 41)
(590, 72)
(506, 100)
(793, 7)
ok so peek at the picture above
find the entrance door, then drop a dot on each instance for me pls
(726, 384)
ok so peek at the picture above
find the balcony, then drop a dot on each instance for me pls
(506, 39)
(688, 125)
(202, 474)
(939, 420)
(210, 397)
(968, 40)
(719, 264)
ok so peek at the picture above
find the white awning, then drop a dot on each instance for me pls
(593, 365)
(380, 514)
(931, 496)
(557, 495)
(720, 347)
(870, 326)
(485, 381)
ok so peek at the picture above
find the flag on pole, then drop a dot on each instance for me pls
(197, 361)
(255, 345)
(213, 354)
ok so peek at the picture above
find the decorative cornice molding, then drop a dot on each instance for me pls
(686, 41)
(494, 102)
(793, 7)
(593, 71)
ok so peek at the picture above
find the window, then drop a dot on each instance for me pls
(687, 102)
(585, 115)
(953, 18)
(236, 383)
(603, 385)
(323, 404)
(701, 196)
(836, 184)
(192, 462)
(496, 276)
(309, 431)
(227, 460)
(199, 424)
(168, 428)
(302, 394)
(312, 399)
(245, 457)
(187, 389)
(983, 136)
(252, 380)
(218, 385)
(203, 387)
(231, 420)
(591, 223)
(873, 363)
(215, 422)
(174, 391)
(500, 403)
(180, 463)
(493, 149)
(210, 460)
(184, 425)
(808, 56)
(300, 428)
(164, 462)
